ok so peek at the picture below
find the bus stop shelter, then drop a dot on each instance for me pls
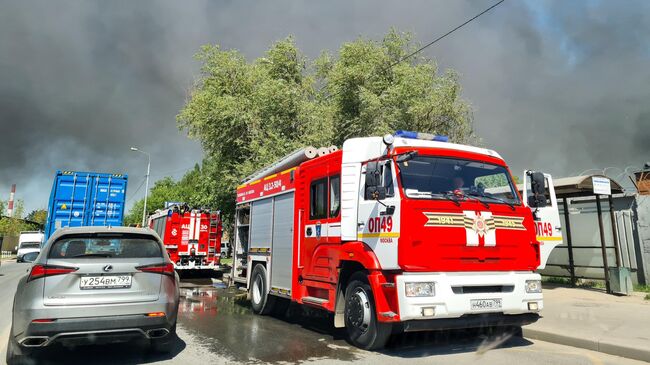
(591, 243)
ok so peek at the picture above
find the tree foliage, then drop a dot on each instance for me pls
(248, 114)
(37, 215)
(12, 226)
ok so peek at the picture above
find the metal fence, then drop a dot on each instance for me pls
(595, 239)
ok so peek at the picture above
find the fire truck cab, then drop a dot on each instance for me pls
(402, 233)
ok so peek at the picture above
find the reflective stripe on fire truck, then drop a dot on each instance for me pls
(379, 235)
(545, 238)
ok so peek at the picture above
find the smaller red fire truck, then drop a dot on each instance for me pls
(402, 233)
(192, 237)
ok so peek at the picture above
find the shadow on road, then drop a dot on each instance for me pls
(137, 352)
(479, 341)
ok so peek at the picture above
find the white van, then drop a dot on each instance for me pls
(28, 242)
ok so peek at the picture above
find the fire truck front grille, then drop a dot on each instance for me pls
(475, 289)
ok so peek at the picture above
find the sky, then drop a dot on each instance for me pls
(555, 85)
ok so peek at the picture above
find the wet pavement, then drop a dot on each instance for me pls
(224, 318)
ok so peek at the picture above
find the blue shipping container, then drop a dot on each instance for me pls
(85, 199)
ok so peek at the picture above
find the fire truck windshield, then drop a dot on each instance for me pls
(428, 177)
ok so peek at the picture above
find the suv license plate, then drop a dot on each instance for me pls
(485, 304)
(105, 282)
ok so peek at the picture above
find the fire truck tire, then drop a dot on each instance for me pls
(362, 327)
(261, 301)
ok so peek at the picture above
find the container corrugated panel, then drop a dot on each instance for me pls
(86, 199)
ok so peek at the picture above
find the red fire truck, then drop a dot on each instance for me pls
(192, 237)
(402, 233)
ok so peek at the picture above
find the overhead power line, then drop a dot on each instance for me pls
(444, 35)
(136, 190)
(430, 43)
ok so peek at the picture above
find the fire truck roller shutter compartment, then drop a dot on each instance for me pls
(261, 225)
(282, 246)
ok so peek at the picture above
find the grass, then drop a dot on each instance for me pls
(642, 288)
(581, 283)
(556, 280)
(227, 261)
(596, 284)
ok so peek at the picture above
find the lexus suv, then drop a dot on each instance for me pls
(95, 285)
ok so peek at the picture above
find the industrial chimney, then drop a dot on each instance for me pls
(10, 208)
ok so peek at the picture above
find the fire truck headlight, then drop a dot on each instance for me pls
(420, 289)
(533, 286)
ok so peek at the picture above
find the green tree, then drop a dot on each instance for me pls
(248, 114)
(37, 215)
(373, 93)
(13, 226)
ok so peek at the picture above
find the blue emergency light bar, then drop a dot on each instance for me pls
(419, 135)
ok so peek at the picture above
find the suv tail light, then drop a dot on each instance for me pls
(166, 268)
(41, 271)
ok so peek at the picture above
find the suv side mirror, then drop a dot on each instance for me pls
(374, 190)
(538, 188)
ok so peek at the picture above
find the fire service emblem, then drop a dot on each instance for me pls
(480, 226)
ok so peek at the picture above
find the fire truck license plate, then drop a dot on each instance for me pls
(483, 304)
(105, 282)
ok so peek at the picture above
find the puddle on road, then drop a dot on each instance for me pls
(224, 318)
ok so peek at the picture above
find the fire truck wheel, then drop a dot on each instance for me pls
(361, 323)
(261, 301)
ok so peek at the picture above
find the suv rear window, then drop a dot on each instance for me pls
(102, 246)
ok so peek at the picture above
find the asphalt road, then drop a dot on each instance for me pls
(216, 326)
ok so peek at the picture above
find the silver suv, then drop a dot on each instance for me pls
(94, 285)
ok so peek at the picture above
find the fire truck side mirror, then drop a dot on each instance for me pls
(538, 188)
(373, 188)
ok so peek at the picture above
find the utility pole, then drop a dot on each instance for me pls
(146, 190)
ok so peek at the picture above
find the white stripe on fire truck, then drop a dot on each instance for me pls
(197, 228)
(191, 227)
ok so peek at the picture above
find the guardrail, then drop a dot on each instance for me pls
(6, 254)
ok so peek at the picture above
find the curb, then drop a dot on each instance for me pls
(589, 344)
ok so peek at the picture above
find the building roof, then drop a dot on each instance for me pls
(574, 186)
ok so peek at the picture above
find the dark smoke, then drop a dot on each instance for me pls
(560, 86)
